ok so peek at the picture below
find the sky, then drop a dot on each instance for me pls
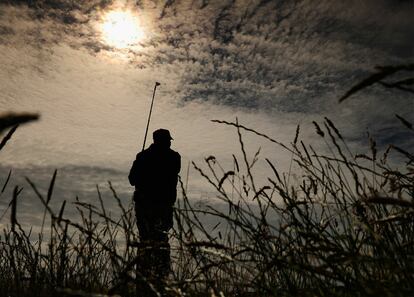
(273, 64)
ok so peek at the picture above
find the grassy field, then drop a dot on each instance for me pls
(345, 227)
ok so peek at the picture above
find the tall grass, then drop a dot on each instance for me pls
(345, 227)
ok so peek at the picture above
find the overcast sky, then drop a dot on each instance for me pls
(273, 64)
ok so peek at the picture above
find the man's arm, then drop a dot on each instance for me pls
(174, 170)
(178, 163)
(134, 172)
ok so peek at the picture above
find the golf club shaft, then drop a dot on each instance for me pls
(149, 115)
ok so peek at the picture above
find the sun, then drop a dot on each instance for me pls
(121, 29)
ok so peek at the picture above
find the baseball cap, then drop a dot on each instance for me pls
(161, 134)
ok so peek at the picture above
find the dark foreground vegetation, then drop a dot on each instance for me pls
(345, 227)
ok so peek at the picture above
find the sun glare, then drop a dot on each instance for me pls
(121, 29)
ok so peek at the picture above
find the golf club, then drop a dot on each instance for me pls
(150, 112)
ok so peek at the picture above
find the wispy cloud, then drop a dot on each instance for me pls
(271, 63)
(269, 56)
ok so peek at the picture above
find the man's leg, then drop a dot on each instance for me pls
(164, 251)
(162, 255)
(153, 223)
(144, 269)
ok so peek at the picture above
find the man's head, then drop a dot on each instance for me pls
(162, 137)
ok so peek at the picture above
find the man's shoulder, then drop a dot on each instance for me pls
(147, 153)
(174, 154)
(144, 153)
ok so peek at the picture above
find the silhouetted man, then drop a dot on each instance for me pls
(154, 174)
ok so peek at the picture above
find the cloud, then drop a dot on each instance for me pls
(271, 63)
(261, 56)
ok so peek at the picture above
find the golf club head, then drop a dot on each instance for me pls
(157, 84)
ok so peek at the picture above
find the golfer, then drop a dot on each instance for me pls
(154, 174)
